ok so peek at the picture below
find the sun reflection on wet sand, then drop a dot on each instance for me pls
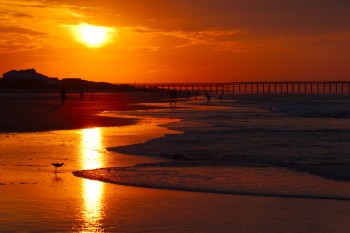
(92, 191)
(92, 210)
(91, 146)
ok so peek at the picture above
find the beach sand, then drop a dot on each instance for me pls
(27, 112)
(33, 198)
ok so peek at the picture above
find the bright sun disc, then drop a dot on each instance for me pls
(93, 36)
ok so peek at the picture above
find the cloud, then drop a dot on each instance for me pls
(18, 30)
(214, 39)
(28, 25)
(241, 41)
(12, 39)
(10, 48)
(14, 45)
(22, 15)
(266, 5)
(159, 72)
(22, 3)
(155, 26)
(144, 49)
(273, 16)
(205, 37)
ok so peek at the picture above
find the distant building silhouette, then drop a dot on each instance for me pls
(20, 74)
(28, 77)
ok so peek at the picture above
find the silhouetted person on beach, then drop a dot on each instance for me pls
(171, 94)
(220, 96)
(63, 95)
(92, 95)
(175, 95)
(81, 95)
(208, 96)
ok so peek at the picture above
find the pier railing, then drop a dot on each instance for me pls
(252, 88)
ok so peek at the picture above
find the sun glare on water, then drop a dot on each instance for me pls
(93, 36)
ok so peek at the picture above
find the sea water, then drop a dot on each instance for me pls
(262, 145)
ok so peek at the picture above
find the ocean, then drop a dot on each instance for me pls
(262, 145)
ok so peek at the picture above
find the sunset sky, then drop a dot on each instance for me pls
(177, 40)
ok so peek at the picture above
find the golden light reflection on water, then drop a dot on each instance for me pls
(91, 157)
(91, 148)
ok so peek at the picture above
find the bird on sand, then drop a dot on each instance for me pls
(57, 165)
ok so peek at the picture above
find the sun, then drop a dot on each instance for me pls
(93, 36)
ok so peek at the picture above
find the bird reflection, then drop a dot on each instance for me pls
(57, 178)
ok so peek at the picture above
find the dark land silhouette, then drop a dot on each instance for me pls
(30, 79)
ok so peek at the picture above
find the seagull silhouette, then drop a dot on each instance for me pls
(57, 165)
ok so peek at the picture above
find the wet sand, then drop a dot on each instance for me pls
(33, 112)
(34, 199)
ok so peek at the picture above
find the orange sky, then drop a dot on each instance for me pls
(179, 41)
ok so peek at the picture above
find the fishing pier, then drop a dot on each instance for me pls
(252, 88)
